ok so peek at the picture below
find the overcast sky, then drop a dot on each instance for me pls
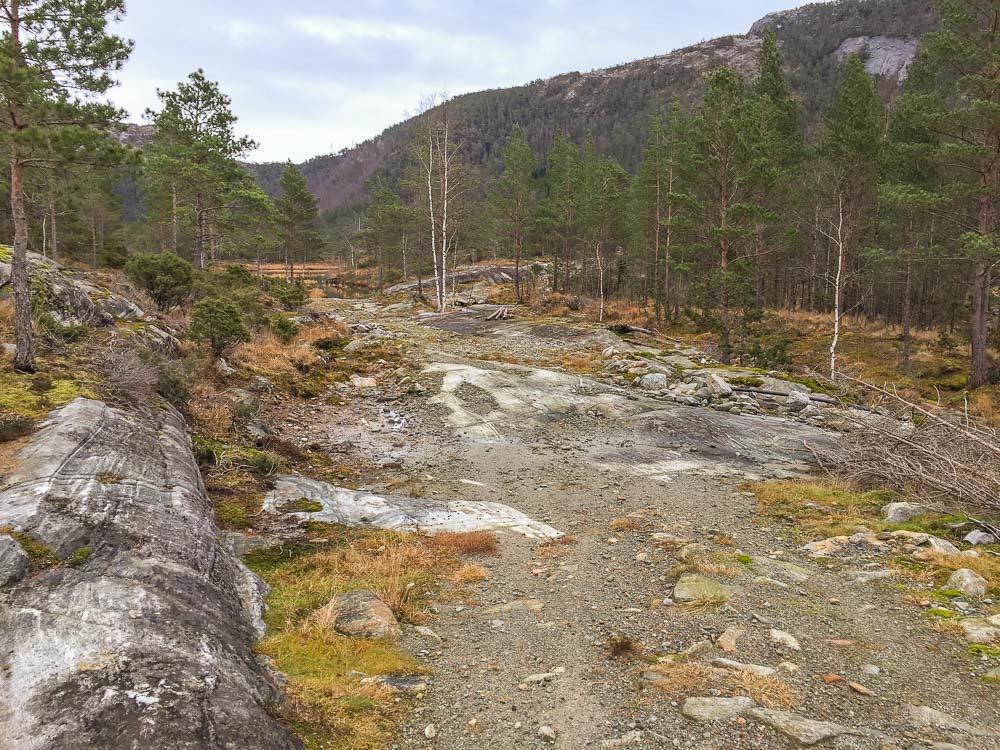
(310, 77)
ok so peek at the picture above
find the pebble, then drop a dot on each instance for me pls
(547, 733)
(430, 732)
(787, 640)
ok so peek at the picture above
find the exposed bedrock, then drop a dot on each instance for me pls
(142, 635)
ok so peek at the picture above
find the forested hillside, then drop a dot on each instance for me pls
(613, 105)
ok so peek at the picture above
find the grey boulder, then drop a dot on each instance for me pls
(14, 563)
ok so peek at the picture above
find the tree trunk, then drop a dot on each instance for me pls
(837, 289)
(517, 264)
(725, 347)
(907, 309)
(54, 240)
(979, 374)
(24, 358)
(173, 217)
(199, 238)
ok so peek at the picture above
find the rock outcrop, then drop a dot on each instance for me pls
(142, 634)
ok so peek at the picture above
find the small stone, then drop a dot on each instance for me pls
(787, 640)
(14, 561)
(857, 687)
(715, 709)
(789, 667)
(981, 537)
(430, 732)
(826, 547)
(397, 684)
(694, 587)
(805, 731)
(360, 614)
(737, 666)
(871, 670)
(717, 386)
(902, 512)
(830, 678)
(925, 717)
(654, 381)
(969, 582)
(547, 733)
(796, 401)
(981, 629)
(727, 641)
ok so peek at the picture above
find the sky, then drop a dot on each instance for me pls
(311, 77)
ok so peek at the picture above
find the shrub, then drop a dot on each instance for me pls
(283, 328)
(167, 279)
(126, 374)
(58, 331)
(217, 322)
(13, 426)
(289, 294)
(113, 255)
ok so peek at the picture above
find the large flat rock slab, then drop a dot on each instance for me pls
(143, 636)
(310, 499)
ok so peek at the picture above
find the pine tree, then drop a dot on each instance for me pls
(383, 224)
(56, 57)
(514, 196)
(725, 132)
(955, 89)
(560, 206)
(191, 161)
(298, 210)
(662, 199)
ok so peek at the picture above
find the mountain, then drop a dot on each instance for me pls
(613, 104)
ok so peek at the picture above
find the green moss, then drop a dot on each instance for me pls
(34, 396)
(946, 614)
(302, 505)
(990, 680)
(747, 381)
(981, 649)
(744, 559)
(80, 556)
(39, 555)
(232, 515)
(6, 252)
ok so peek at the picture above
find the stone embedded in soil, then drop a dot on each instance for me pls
(738, 666)
(781, 638)
(654, 381)
(826, 547)
(980, 537)
(694, 587)
(787, 571)
(727, 641)
(518, 605)
(547, 733)
(358, 508)
(716, 709)
(360, 614)
(805, 731)
(981, 629)
(902, 512)
(398, 683)
(14, 562)
(969, 582)
(930, 719)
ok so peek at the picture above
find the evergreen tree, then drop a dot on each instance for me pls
(560, 206)
(514, 196)
(954, 89)
(383, 225)
(298, 210)
(191, 161)
(56, 58)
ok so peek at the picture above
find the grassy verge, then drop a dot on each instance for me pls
(326, 703)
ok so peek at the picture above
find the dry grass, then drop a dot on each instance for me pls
(267, 356)
(210, 413)
(622, 647)
(555, 547)
(466, 542)
(327, 706)
(945, 627)
(469, 574)
(986, 565)
(6, 317)
(582, 364)
(625, 523)
(820, 509)
(682, 678)
(769, 691)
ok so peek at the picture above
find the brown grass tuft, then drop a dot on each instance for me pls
(469, 574)
(769, 691)
(210, 413)
(266, 355)
(555, 547)
(625, 523)
(620, 647)
(682, 678)
(466, 542)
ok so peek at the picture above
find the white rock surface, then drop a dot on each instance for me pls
(969, 582)
(358, 508)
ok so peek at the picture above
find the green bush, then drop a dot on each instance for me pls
(283, 328)
(218, 323)
(57, 331)
(289, 295)
(167, 279)
(113, 255)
